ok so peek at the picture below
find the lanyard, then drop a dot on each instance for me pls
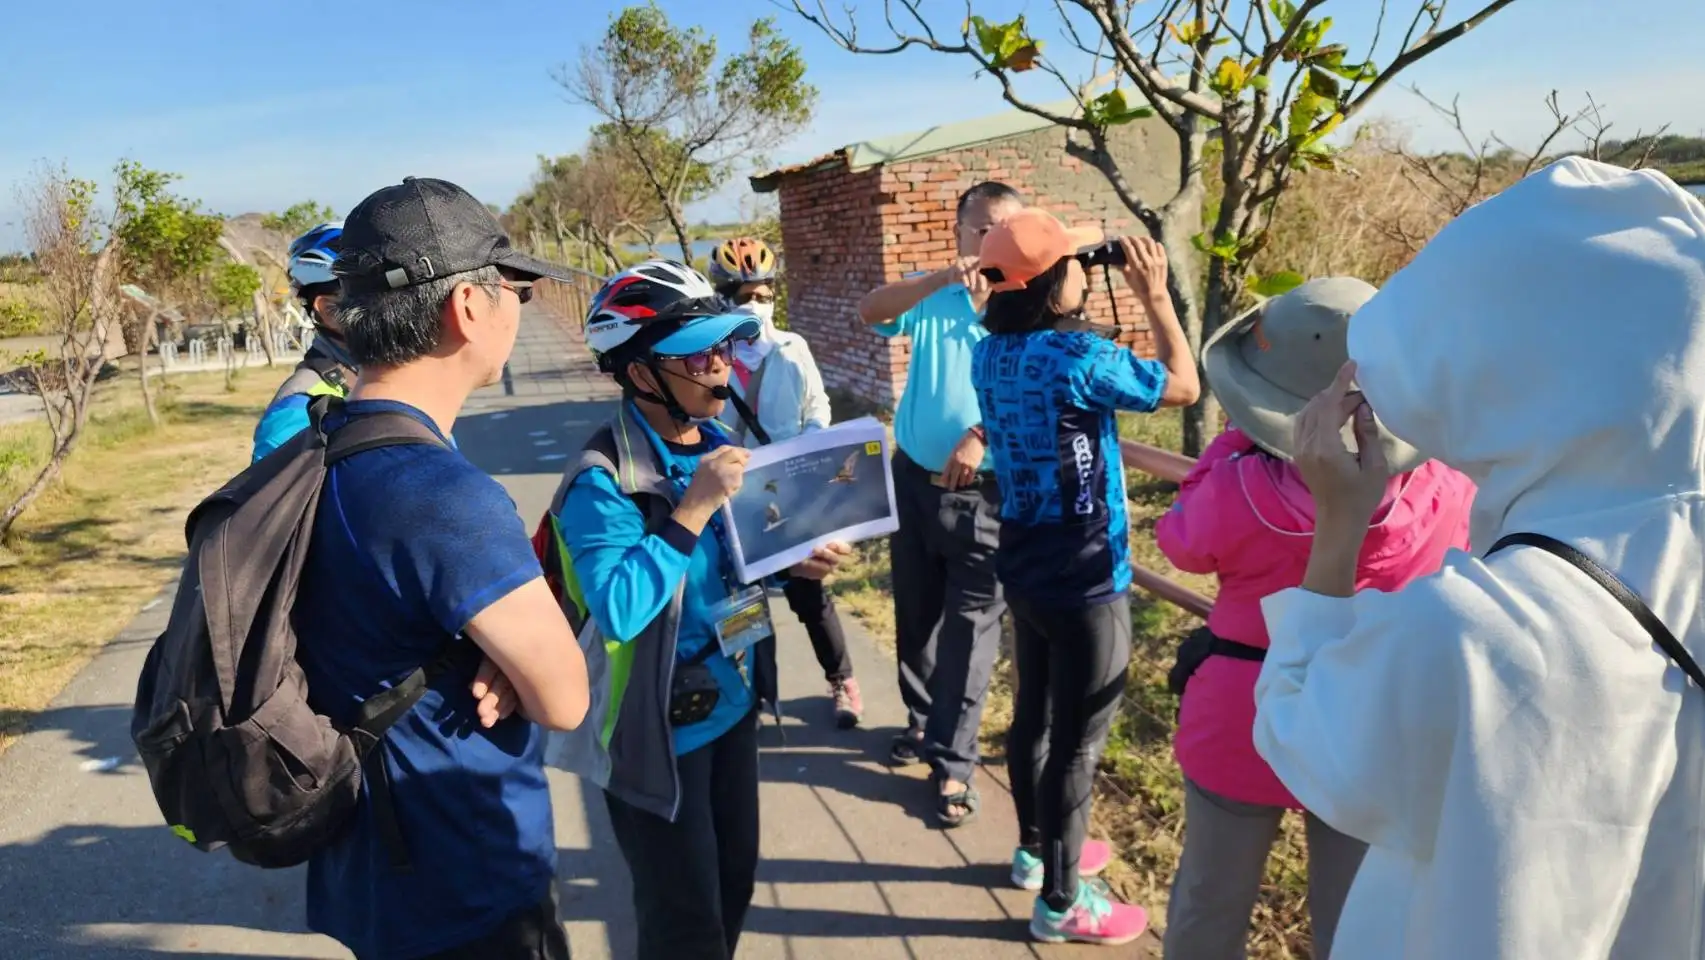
(679, 479)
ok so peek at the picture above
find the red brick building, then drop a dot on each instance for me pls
(870, 213)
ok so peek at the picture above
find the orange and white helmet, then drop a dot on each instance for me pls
(741, 260)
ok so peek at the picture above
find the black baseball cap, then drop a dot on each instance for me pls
(424, 229)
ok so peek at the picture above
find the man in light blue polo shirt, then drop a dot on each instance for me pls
(947, 602)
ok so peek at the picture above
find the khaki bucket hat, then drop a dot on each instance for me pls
(1268, 363)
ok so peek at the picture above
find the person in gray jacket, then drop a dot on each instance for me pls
(778, 379)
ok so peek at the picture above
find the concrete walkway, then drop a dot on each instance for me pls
(852, 866)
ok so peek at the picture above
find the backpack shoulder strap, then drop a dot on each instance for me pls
(369, 432)
(1614, 586)
(315, 375)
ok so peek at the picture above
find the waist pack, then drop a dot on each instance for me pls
(1195, 649)
(236, 757)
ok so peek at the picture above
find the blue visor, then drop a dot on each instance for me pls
(702, 333)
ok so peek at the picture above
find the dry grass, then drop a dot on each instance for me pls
(109, 534)
(1369, 220)
(1141, 790)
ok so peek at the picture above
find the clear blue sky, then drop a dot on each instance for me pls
(261, 105)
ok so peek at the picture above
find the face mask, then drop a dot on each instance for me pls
(763, 311)
(750, 355)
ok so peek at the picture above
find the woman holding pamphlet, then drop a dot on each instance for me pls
(1049, 387)
(636, 541)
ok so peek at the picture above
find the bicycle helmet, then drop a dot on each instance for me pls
(660, 308)
(742, 260)
(311, 256)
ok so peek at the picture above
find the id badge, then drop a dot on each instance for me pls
(742, 621)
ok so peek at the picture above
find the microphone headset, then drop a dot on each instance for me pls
(720, 391)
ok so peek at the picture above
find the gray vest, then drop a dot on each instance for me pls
(624, 745)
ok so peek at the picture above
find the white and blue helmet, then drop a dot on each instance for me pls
(311, 256)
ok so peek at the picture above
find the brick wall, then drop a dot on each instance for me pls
(846, 233)
(831, 223)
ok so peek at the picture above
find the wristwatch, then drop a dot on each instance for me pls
(976, 430)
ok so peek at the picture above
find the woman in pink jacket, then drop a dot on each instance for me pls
(1244, 514)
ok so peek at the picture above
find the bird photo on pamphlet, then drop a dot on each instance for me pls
(797, 498)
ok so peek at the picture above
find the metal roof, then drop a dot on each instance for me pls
(922, 143)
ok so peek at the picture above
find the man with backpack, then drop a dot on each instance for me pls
(326, 369)
(354, 728)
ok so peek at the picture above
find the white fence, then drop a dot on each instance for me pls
(222, 351)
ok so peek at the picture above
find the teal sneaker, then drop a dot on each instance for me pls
(1027, 866)
(1095, 918)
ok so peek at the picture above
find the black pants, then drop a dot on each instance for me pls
(947, 610)
(693, 879)
(530, 934)
(810, 602)
(1071, 664)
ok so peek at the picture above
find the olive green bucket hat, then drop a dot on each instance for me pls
(1269, 362)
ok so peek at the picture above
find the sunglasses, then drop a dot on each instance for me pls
(699, 364)
(523, 288)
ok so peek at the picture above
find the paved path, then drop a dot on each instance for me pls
(851, 867)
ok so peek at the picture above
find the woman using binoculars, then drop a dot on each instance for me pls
(1049, 387)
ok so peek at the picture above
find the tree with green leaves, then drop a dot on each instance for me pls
(1257, 87)
(686, 119)
(599, 197)
(168, 241)
(232, 285)
(298, 218)
(167, 245)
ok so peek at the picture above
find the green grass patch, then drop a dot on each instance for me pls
(108, 534)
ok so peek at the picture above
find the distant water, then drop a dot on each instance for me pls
(1697, 189)
(671, 248)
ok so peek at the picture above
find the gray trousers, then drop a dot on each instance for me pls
(1225, 854)
(947, 610)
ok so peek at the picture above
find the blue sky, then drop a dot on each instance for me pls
(261, 105)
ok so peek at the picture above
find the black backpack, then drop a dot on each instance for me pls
(235, 755)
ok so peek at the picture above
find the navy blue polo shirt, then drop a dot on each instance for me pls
(410, 543)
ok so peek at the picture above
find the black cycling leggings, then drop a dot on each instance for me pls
(1071, 664)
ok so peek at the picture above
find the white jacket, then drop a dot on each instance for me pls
(1527, 767)
(791, 397)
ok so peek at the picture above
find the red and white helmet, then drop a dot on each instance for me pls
(662, 308)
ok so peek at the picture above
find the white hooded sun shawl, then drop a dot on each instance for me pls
(1528, 768)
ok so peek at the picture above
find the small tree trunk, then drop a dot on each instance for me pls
(67, 429)
(142, 367)
(607, 249)
(43, 479)
(1202, 420)
(263, 323)
(1180, 220)
(678, 223)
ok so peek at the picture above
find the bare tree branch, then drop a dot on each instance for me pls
(1434, 40)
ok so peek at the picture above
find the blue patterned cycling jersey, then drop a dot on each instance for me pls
(1048, 400)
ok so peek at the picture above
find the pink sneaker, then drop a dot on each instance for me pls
(1095, 918)
(849, 703)
(1027, 866)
